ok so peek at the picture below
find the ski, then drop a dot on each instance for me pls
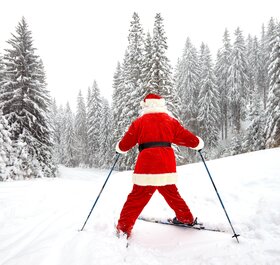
(197, 226)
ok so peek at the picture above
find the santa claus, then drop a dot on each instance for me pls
(154, 132)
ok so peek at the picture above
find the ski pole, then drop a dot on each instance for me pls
(234, 233)
(117, 157)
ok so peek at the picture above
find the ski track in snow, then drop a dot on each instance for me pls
(40, 219)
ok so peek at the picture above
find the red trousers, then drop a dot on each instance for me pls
(140, 196)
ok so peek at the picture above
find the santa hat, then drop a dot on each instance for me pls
(153, 101)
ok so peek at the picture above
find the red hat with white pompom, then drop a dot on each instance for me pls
(153, 100)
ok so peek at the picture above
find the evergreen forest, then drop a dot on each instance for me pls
(230, 99)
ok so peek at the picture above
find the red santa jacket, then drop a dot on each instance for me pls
(156, 166)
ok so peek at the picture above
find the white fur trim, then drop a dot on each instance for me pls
(200, 144)
(147, 110)
(119, 150)
(154, 179)
(154, 106)
(153, 102)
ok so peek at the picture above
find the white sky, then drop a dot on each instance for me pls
(82, 40)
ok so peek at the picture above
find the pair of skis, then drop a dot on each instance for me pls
(196, 226)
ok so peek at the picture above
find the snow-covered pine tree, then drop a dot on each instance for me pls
(250, 73)
(263, 82)
(135, 63)
(58, 128)
(268, 40)
(273, 101)
(70, 158)
(235, 146)
(159, 77)
(222, 72)
(26, 155)
(125, 112)
(24, 99)
(94, 122)
(254, 73)
(1, 70)
(116, 105)
(208, 102)
(55, 130)
(258, 68)
(106, 151)
(120, 87)
(81, 130)
(88, 149)
(238, 82)
(186, 77)
(254, 136)
(128, 95)
(6, 149)
(132, 73)
(187, 86)
(147, 60)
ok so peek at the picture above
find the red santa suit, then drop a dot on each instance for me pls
(155, 168)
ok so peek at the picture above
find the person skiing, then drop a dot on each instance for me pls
(155, 168)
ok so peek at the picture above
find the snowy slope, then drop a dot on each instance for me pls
(40, 219)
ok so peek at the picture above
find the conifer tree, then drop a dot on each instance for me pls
(6, 149)
(128, 88)
(56, 132)
(88, 149)
(81, 130)
(24, 99)
(258, 68)
(187, 86)
(254, 72)
(94, 121)
(133, 83)
(135, 63)
(222, 74)
(268, 46)
(125, 113)
(58, 124)
(106, 151)
(1, 70)
(235, 146)
(209, 108)
(120, 110)
(251, 72)
(273, 102)
(147, 59)
(159, 77)
(117, 105)
(186, 78)
(69, 140)
(238, 81)
(263, 82)
(254, 137)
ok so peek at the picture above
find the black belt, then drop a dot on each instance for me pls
(143, 146)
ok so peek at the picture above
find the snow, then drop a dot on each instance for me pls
(40, 219)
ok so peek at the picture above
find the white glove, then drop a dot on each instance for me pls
(200, 144)
(119, 151)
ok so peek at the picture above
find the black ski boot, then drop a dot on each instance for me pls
(177, 222)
